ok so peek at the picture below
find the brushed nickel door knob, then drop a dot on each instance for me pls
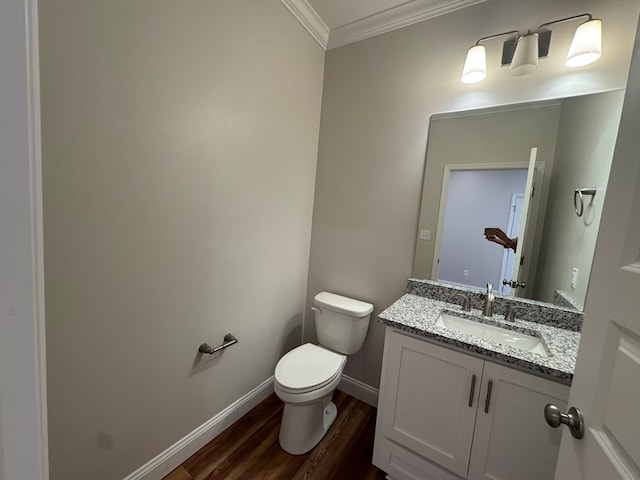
(514, 283)
(573, 419)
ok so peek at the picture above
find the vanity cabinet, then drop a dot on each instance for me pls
(446, 415)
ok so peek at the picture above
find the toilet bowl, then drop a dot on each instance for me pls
(306, 377)
(305, 380)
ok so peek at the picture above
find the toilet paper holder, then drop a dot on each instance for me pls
(229, 339)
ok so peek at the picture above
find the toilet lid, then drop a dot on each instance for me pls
(308, 367)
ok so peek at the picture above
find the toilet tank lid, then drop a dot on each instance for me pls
(340, 304)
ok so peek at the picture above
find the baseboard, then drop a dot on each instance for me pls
(173, 456)
(363, 392)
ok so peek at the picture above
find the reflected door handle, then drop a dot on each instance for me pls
(572, 419)
(514, 283)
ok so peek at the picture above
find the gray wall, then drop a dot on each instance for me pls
(378, 97)
(476, 199)
(180, 145)
(586, 140)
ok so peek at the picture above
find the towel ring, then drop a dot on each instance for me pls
(578, 198)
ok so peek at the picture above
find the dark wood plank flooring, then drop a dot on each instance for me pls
(249, 449)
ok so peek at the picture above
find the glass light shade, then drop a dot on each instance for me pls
(586, 46)
(525, 58)
(475, 67)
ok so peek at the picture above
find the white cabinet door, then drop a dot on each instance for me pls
(427, 403)
(512, 441)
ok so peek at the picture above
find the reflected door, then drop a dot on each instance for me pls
(513, 227)
(526, 235)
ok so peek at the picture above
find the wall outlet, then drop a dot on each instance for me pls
(465, 273)
(574, 277)
(425, 234)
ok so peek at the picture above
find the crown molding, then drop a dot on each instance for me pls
(309, 19)
(393, 19)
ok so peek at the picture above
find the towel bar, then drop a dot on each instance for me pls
(229, 340)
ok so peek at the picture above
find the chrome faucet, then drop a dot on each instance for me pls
(488, 305)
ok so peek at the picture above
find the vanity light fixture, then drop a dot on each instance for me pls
(525, 57)
(522, 51)
(586, 46)
(475, 67)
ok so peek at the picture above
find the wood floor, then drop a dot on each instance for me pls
(249, 449)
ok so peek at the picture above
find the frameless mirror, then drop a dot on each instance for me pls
(498, 196)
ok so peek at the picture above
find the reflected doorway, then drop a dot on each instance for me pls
(476, 199)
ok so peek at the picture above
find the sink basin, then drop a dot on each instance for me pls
(501, 335)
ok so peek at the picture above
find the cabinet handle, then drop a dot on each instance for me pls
(473, 389)
(487, 401)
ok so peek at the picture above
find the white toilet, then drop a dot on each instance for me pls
(306, 377)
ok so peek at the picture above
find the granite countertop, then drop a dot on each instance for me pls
(418, 315)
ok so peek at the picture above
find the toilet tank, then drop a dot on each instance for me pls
(341, 322)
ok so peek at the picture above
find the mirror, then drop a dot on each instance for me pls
(515, 169)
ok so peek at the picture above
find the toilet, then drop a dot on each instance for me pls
(306, 377)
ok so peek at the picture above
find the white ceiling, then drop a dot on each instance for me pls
(334, 23)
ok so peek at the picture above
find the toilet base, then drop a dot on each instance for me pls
(303, 426)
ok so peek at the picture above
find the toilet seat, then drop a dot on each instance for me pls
(307, 368)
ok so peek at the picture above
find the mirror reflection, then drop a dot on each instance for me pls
(498, 196)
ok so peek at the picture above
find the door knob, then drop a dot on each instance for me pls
(514, 283)
(573, 419)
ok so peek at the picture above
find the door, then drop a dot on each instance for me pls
(525, 231)
(23, 419)
(606, 384)
(508, 256)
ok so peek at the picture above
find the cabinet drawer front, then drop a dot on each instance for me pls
(426, 401)
(401, 464)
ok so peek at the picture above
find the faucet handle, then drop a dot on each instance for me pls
(466, 303)
(511, 313)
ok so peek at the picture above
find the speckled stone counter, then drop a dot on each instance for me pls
(418, 315)
(530, 310)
